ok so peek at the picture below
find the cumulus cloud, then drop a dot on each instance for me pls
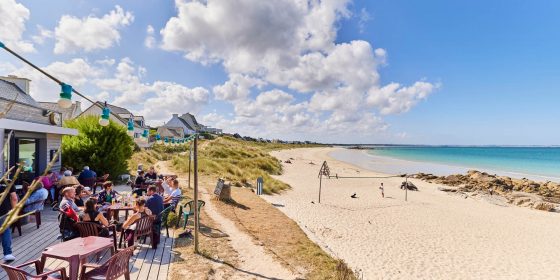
(90, 33)
(290, 52)
(150, 41)
(13, 16)
(42, 35)
(395, 99)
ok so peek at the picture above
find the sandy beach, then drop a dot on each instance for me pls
(433, 235)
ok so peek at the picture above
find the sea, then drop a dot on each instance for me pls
(536, 163)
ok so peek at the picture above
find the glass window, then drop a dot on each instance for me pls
(27, 154)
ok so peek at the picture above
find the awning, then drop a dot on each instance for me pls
(35, 127)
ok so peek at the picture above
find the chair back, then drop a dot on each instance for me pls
(164, 214)
(89, 182)
(88, 229)
(103, 178)
(118, 265)
(191, 205)
(14, 273)
(144, 225)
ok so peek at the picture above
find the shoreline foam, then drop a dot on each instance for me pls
(433, 235)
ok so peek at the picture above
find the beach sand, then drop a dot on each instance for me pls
(433, 235)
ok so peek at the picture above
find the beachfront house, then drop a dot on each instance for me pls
(29, 133)
(121, 116)
(67, 114)
(170, 132)
(189, 124)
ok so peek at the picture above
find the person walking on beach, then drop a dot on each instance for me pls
(382, 191)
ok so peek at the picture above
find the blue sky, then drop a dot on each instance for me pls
(421, 72)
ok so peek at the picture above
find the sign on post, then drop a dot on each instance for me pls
(260, 184)
(219, 186)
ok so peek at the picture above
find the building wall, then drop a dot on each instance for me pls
(96, 111)
(178, 123)
(22, 112)
(54, 142)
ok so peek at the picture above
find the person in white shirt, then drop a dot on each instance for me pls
(175, 195)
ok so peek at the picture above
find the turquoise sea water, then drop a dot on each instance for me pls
(541, 161)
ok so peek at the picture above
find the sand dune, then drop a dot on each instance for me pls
(433, 235)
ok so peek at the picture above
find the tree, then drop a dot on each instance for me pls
(103, 149)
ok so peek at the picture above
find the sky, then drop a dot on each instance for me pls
(333, 71)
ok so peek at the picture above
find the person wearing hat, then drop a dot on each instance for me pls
(68, 196)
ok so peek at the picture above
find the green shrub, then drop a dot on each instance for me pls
(104, 149)
(172, 219)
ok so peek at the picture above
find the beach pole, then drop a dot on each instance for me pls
(406, 188)
(320, 181)
(195, 171)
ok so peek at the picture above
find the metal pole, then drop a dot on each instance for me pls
(195, 194)
(190, 155)
(320, 180)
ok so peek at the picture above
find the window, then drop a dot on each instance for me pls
(27, 154)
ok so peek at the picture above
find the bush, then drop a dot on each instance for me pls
(103, 149)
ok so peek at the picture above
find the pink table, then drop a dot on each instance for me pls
(76, 251)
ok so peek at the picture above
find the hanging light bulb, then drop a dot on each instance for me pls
(65, 100)
(166, 140)
(145, 135)
(130, 128)
(104, 119)
(158, 138)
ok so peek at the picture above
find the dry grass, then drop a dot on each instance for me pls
(240, 162)
(545, 206)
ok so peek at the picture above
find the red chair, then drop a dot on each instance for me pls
(93, 229)
(114, 268)
(16, 273)
(143, 229)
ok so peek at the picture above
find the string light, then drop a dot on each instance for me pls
(104, 119)
(65, 100)
(130, 128)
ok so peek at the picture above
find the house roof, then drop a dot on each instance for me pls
(115, 109)
(11, 91)
(170, 131)
(190, 121)
(67, 114)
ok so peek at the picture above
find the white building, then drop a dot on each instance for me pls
(30, 133)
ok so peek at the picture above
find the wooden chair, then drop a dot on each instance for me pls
(100, 181)
(94, 229)
(36, 213)
(114, 268)
(17, 273)
(143, 229)
(186, 214)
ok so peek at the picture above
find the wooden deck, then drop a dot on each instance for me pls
(146, 263)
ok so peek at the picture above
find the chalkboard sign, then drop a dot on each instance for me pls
(219, 187)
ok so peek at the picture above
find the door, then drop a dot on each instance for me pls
(27, 151)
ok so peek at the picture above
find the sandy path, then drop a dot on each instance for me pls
(433, 235)
(254, 262)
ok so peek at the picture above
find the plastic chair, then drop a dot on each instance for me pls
(36, 213)
(143, 229)
(163, 216)
(17, 273)
(114, 268)
(186, 214)
(94, 229)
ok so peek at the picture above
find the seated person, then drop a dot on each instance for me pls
(152, 175)
(175, 195)
(91, 215)
(129, 225)
(82, 195)
(140, 180)
(155, 204)
(68, 196)
(107, 194)
(40, 194)
(48, 182)
(87, 174)
(68, 179)
(166, 185)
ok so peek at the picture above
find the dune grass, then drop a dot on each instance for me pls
(239, 162)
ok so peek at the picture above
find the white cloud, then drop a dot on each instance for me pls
(292, 50)
(90, 33)
(150, 41)
(364, 18)
(173, 98)
(13, 16)
(395, 99)
(42, 35)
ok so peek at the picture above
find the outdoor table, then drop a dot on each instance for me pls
(114, 210)
(76, 251)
